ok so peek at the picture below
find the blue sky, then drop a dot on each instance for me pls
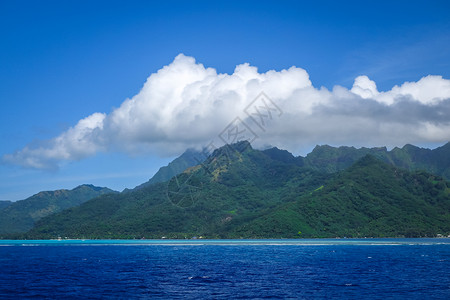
(62, 61)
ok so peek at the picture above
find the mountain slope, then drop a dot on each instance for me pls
(186, 160)
(371, 198)
(20, 216)
(234, 185)
(242, 192)
(4, 204)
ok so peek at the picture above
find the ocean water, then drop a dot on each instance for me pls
(237, 269)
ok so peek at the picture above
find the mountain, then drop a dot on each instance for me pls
(327, 159)
(331, 159)
(284, 156)
(235, 183)
(436, 161)
(369, 199)
(4, 204)
(189, 158)
(242, 192)
(20, 216)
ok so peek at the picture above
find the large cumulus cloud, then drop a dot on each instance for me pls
(186, 105)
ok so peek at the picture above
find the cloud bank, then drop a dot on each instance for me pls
(187, 105)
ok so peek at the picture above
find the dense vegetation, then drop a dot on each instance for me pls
(239, 192)
(370, 199)
(20, 216)
(329, 159)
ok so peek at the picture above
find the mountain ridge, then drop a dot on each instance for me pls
(21, 215)
(336, 159)
(369, 205)
(332, 159)
(240, 192)
(187, 159)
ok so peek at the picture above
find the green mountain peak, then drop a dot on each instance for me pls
(20, 216)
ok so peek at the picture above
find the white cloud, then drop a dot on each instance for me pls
(428, 90)
(185, 105)
(364, 87)
(82, 140)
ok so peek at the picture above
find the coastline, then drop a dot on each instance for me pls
(231, 242)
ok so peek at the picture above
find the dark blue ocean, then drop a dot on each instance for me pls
(297, 269)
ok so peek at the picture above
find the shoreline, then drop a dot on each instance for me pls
(232, 242)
